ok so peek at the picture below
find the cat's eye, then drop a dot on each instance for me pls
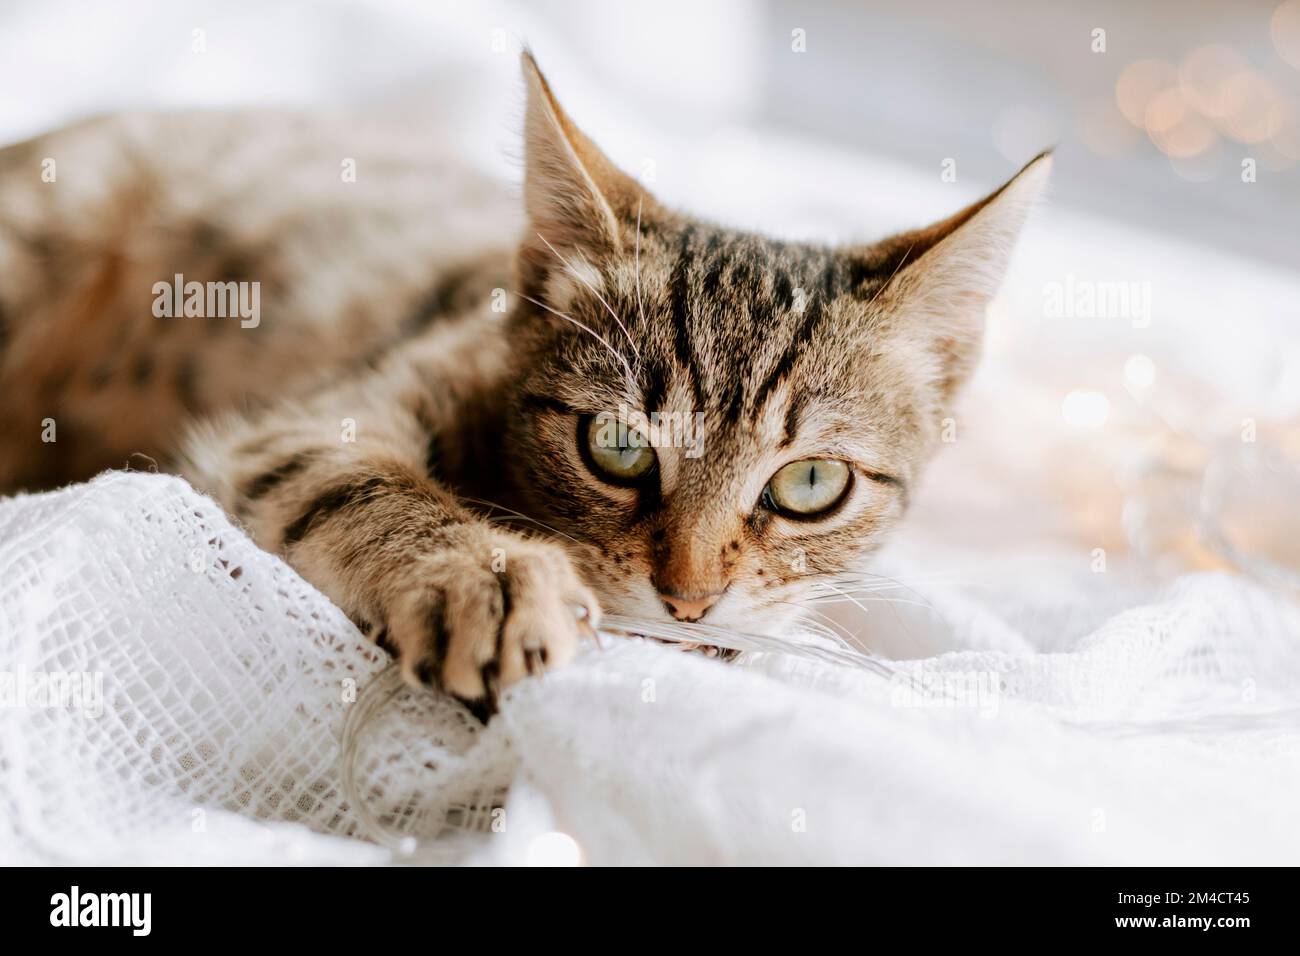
(807, 488)
(619, 455)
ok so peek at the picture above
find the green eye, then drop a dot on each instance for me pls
(810, 487)
(620, 456)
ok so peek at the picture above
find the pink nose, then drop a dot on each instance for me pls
(689, 610)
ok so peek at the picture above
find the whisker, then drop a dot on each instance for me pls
(846, 596)
(890, 582)
(862, 584)
(517, 515)
(892, 274)
(596, 335)
(910, 580)
(640, 303)
(826, 630)
(892, 601)
(742, 641)
(594, 291)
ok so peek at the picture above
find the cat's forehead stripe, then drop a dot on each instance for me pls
(678, 297)
(719, 277)
(814, 309)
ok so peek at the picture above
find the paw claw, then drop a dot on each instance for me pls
(491, 676)
(472, 631)
(427, 672)
(483, 708)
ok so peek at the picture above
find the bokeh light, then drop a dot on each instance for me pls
(554, 849)
(1138, 85)
(1285, 29)
(1253, 108)
(1139, 373)
(1213, 93)
(1203, 76)
(1286, 140)
(1201, 167)
(1083, 408)
(1175, 128)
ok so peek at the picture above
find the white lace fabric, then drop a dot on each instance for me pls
(1167, 734)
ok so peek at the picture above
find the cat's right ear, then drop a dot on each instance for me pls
(576, 199)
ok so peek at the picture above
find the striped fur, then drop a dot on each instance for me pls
(413, 450)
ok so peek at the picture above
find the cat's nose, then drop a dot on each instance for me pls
(689, 609)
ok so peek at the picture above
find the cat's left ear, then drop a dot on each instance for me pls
(942, 278)
(576, 199)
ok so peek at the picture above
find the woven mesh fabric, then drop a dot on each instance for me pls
(225, 680)
(1164, 731)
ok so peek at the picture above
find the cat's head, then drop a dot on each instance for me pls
(799, 388)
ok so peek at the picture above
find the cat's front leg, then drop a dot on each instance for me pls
(466, 606)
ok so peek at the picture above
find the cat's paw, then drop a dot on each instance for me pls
(479, 618)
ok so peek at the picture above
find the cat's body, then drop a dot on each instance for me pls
(344, 268)
(383, 411)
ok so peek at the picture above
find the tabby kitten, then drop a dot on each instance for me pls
(384, 414)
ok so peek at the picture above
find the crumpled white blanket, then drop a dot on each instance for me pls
(1168, 734)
